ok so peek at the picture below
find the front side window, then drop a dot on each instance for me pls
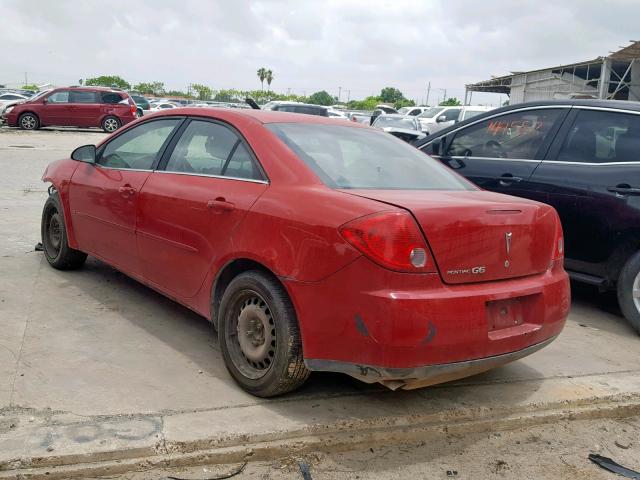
(600, 136)
(139, 147)
(59, 97)
(451, 114)
(431, 112)
(80, 96)
(516, 135)
(349, 157)
(471, 113)
(207, 148)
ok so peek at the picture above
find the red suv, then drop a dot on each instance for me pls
(74, 107)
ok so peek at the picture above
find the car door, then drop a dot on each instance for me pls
(501, 152)
(592, 178)
(208, 180)
(56, 108)
(103, 197)
(85, 109)
(446, 119)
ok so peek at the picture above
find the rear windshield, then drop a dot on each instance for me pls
(351, 157)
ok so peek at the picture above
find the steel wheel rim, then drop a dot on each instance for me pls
(110, 125)
(635, 292)
(251, 335)
(53, 234)
(28, 122)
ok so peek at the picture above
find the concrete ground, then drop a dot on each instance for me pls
(100, 375)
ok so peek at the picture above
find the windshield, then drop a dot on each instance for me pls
(431, 112)
(398, 122)
(39, 94)
(351, 157)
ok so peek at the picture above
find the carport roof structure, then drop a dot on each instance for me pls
(613, 76)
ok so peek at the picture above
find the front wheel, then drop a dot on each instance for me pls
(29, 121)
(54, 237)
(629, 291)
(110, 124)
(259, 336)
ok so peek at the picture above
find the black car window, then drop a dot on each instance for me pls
(138, 147)
(79, 96)
(515, 135)
(241, 165)
(203, 148)
(110, 97)
(59, 97)
(451, 114)
(602, 136)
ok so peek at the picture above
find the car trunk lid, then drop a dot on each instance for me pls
(478, 236)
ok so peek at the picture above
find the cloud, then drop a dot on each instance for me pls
(359, 45)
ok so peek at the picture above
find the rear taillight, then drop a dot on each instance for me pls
(558, 244)
(133, 109)
(392, 240)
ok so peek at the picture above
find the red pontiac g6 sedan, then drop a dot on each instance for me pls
(314, 246)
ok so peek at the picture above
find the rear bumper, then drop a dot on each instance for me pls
(366, 316)
(410, 378)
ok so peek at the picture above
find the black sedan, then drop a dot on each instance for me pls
(580, 156)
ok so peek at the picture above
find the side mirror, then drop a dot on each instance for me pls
(85, 153)
(441, 118)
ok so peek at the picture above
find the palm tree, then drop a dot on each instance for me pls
(269, 78)
(262, 74)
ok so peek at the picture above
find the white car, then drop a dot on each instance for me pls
(159, 106)
(435, 119)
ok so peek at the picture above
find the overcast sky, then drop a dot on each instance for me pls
(359, 45)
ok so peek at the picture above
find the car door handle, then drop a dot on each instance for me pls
(127, 190)
(220, 204)
(507, 179)
(624, 189)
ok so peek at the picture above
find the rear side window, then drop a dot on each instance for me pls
(350, 157)
(138, 147)
(59, 97)
(599, 136)
(110, 97)
(516, 135)
(207, 148)
(80, 96)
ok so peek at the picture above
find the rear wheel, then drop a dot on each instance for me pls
(139, 112)
(259, 336)
(54, 237)
(29, 121)
(629, 291)
(110, 124)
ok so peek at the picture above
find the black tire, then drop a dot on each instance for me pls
(139, 113)
(110, 124)
(29, 121)
(257, 297)
(54, 237)
(628, 283)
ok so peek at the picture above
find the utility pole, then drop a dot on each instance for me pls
(339, 92)
(348, 95)
(288, 91)
(428, 91)
(444, 99)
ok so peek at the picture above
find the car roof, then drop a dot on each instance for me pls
(568, 102)
(262, 116)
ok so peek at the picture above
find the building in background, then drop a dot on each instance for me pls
(616, 76)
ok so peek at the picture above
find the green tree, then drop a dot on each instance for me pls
(262, 75)
(154, 88)
(268, 76)
(391, 95)
(32, 86)
(321, 98)
(368, 103)
(203, 92)
(450, 102)
(108, 81)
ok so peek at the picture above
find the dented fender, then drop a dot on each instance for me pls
(59, 174)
